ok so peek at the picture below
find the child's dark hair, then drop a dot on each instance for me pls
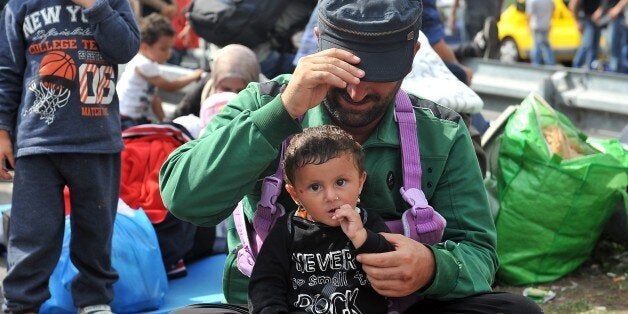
(153, 27)
(317, 145)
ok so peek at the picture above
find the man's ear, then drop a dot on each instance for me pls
(417, 46)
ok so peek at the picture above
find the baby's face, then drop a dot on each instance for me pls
(322, 189)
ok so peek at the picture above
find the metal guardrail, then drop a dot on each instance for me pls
(596, 102)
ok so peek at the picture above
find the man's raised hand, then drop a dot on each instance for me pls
(315, 75)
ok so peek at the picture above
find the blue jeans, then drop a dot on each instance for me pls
(589, 45)
(542, 51)
(618, 41)
(37, 225)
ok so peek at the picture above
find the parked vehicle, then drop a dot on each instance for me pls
(516, 37)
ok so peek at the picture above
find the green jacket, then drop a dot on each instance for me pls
(203, 180)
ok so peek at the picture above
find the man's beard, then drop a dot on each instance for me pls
(357, 118)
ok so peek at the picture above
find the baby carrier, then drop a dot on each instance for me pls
(420, 222)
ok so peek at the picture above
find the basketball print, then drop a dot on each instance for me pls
(58, 64)
(57, 71)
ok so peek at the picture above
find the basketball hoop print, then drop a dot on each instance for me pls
(57, 72)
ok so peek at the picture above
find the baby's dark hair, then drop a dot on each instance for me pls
(153, 27)
(317, 145)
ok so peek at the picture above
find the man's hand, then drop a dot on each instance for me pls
(351, 224)
(315, 75)
(86, 4)
(469, 72)
(408, 268)
(6, 155)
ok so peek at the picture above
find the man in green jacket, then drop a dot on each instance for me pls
(366, 48)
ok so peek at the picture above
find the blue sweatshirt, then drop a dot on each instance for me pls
(58, 74)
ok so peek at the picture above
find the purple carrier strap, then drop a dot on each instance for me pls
(267, 211)
(245, 257)
(421, 222)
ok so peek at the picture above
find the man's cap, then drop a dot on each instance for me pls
(382, 33)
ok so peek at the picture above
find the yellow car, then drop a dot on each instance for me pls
(516, 37)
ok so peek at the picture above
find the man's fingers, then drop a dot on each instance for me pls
(338, 62)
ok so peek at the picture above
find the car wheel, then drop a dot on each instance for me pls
(508, 51)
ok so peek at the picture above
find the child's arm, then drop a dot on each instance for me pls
(158, 110)
(172, 85)
(12, 68)
(114, 28)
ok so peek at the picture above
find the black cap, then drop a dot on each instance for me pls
(383, 33)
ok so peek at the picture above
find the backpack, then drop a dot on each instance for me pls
(245, 22)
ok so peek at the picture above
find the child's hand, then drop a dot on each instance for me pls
(351, 224)
(198, 73)
(6, 155)
(86, 4)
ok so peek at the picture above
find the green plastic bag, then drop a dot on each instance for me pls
(556, 192)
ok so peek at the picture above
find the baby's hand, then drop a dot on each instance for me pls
(351, 224)
(86, 4)
(198, 73)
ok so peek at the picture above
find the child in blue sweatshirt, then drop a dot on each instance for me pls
(60, 126)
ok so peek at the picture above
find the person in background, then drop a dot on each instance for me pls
(185, 38)
(324, 173)
(163, 7)
(614, 14)
(59, 126)
(139, 102)
(212, 106)
(277, 54)
(591, 32)
(435, 32)
(474, 15)
(366, 48)
(540, 18)
(233, 68)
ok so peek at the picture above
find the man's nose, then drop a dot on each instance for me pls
(356, 92)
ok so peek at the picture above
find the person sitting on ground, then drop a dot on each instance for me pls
(139, 102)
(324, 173)
(233, 68)
(366, 49)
